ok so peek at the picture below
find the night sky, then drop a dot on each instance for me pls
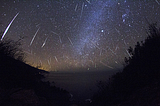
(77, 34)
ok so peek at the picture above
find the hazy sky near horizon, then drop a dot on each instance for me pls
(75, 34)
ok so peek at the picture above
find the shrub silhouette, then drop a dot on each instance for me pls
(13, 70)
(142, 69)
(10, 48)
(16, 75)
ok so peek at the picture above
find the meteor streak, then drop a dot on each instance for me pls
(76, 8)
(106, 65)
(157, 2)
(128, 53)
(9, 26)
(44, 42)
(54, 32)
(82, 10)
(49, 62)
(112, 51)
(58, 36)
(118, 31)
(34, 36)
(60, 39)
(56, 58)
(40, 62)
(88, 1)
(94, 44)
(70, 41)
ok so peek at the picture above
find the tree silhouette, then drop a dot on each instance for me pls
(142, 69)
(145, 56)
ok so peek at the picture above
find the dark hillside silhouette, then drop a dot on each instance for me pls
(139, 82)
(21, 84)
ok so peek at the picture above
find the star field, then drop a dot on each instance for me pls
(72, 34)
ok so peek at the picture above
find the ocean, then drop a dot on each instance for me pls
(82, 85)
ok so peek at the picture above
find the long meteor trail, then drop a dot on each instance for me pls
(9, 26)
(34, 36)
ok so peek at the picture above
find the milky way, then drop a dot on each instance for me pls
(77, 34)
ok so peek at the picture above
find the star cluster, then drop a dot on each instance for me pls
(71, 34)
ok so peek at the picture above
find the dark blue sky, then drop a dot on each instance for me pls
(71, 34)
